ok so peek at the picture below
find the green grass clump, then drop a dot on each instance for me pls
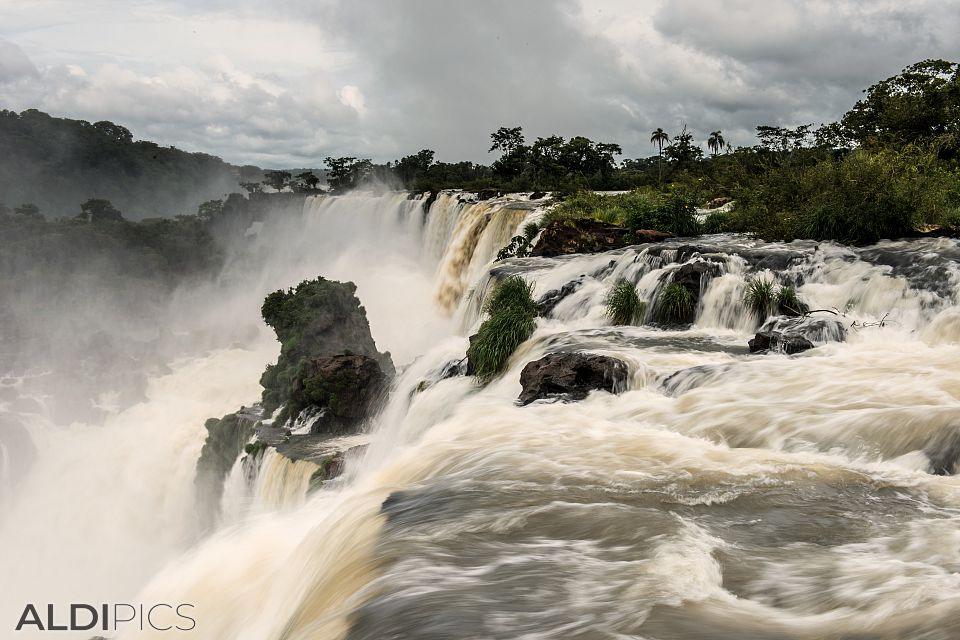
(512, 320)
(637, 209)
(788, 303)
(512, 292)
(761, 297)
(623, 304)
(675, 303)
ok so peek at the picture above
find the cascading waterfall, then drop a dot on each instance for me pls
(722, 495)
(281, 482)
(472, 233)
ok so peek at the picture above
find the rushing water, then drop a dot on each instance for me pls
(723, 495)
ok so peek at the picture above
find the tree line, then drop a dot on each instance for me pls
(885, 167)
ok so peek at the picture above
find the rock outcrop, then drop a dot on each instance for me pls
(548, 302)
(693, 277)
(792, 335)
(329, 375)
(226, 438)
(345, 389)
(331, 466)
(317, 320)
(571, 376)
(586, 235)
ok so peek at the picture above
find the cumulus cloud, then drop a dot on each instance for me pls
(383, 79)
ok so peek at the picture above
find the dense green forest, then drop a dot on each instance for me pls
(57, 163)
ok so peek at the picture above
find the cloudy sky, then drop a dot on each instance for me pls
(288, 83)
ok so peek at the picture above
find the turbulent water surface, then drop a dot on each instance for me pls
(722, 495)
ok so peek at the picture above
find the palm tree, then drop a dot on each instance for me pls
(660, 138)
(716, 142)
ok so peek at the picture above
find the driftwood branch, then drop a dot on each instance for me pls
(833, 311)
(863, 325)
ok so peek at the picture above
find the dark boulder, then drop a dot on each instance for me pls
(796, 334)
(775, 341)
(586, 235)
(944, 452)
(548, 302)
(693, 277)
(471, 369)
(345, 388)
(571, 376)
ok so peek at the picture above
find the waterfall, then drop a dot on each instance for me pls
(722, 494)
(471, 234)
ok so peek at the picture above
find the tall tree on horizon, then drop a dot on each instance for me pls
(660, 138)
(715, 142)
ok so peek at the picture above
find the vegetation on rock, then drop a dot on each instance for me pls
(761, 297)
(624, 306)
(512, 319)
(675, 304)
(316, 319)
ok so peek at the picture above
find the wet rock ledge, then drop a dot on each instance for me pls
(327, 382)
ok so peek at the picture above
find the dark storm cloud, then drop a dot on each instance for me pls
(445, 74)
(382, 78)
(792, 62)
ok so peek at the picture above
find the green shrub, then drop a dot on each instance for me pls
(675, 303)
(512, 320)
(623, 304)
(530, 231)
(859, 197)
(580, 205)
(722, 222)
(519, 247)
(635, 209)
(761, 297)
(678, 216)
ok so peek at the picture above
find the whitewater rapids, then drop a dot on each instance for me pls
(767, 497)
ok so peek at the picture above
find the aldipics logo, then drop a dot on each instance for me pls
(108, 617)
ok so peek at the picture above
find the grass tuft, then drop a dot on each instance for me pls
(623, 304)
(761, 297)
(512, 320)
(675, 303)
(788, 303)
